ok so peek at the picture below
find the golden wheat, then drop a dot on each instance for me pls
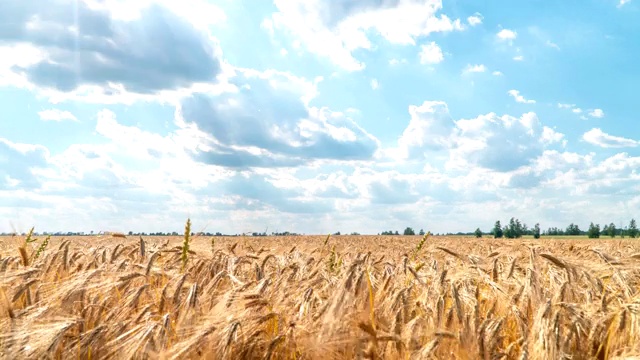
(287, 298)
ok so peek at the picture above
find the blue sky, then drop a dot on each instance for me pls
(316, 116)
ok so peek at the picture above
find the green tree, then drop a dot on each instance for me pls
(594, 231)
(573, 229)
(515, 229)
(536, 231)
(478, 233)
(409, 231)
(633, 229)
(421, 233)
(612, 230)
(497, 230)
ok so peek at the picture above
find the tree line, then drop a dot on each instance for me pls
(517, 229)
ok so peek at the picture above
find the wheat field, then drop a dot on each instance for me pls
(318, 297)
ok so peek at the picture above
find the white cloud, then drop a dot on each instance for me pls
(334, 30)
(374, 84)
(518, 58)
(429, 128)
(551, 44)
(431, 53)
(478, 68)
(550, 136)
(623, 2)
(395, 61)
(566, 106)
(507, 35)
(597, 137)
(56, 115)
(267, 122)
(519, 98)
(118, 48)
(594, 113)
(475, 19)
(500, 143)
(18, 162)
(497, 73)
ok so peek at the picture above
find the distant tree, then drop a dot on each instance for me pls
(594, 231)
(573, 229)
(536, 231)
(497, 230)
(612, 230)
(337, 233)
(632, 231)
(515, 229)
(478, 233)
(409, 231)
(421, 233)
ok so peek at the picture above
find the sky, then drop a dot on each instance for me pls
(317, 116)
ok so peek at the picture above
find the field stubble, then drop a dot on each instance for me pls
(313, 297)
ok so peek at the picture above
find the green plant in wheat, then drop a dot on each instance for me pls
(185, 244)
(22, 249)
(30, 238)
(420, 245)
(324, 245)
(334, 262)
(41, 248)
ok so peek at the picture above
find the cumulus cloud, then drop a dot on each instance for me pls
(500, 143)
(519, 98)
(18, 162)
(430, 53)
(507, 35)
(94, 47)
(550, 136)
(430, 127)
(596, 113)
(598, 137)
(478, 68)
(267, 122)
(334, 30)
(475, 19)
(497, 73)
(56, 115)
(374, 84)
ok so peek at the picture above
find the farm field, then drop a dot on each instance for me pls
(313, 297)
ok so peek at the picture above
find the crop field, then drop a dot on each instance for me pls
(318, 297)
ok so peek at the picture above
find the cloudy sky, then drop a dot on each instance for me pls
(317, 116)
